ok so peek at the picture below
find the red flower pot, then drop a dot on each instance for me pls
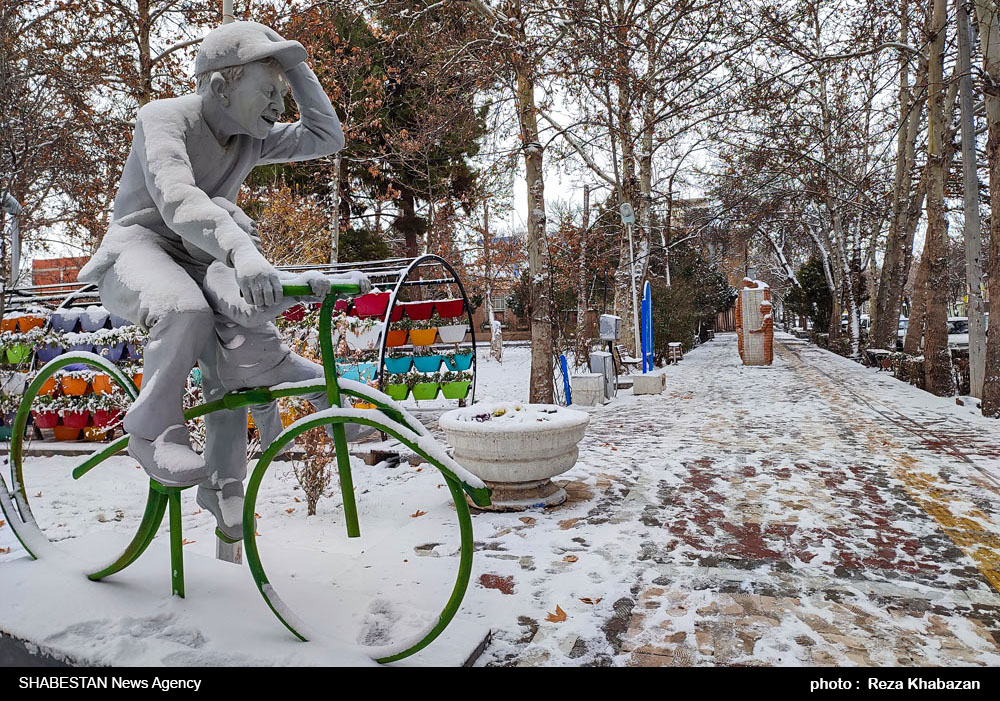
(46, 419)
(75, 419)
(418, 311)
(342, 305)
(450, 308)
(397, 313)
(103, 417)
(371, 304)
(294, 314)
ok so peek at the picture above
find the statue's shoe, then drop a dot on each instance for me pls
(226, 504)
(169, 459)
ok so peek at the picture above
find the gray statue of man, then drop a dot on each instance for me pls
(181, 260)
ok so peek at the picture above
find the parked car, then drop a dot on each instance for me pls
(901, 332)
(958, 331)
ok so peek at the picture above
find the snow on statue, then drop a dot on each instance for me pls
(181, 260)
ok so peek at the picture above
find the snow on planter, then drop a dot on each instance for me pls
(516, 448)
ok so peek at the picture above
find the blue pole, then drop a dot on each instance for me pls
(565, 372)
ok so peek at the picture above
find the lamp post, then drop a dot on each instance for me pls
(227, 11)
(628, 219)
(13, 208)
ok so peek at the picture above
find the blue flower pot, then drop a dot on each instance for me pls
(81, 347)
(113, 352)
(399, 365)
(461, 361)
(427, 363)
(349, 373)
(49, 352)
(63, 321)
(91, 322)
(117, 321)
(366, 371)
(135, 350)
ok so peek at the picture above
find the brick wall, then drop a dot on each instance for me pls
(53, 271)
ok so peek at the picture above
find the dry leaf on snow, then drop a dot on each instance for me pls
(592, 602)
(417, 514)
(558, 617)
(188, 542)
(288, 511)
(570, 558)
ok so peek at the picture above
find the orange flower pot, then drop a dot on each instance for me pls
(423, 337)
(74, 386)
(66, 433)
(8, 325)
(93, 433)
(395, 338)
(49, 386)
(102, 384)
(27, 323)
(137, 379)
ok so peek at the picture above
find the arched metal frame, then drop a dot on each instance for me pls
(403, 281)
(388, 417)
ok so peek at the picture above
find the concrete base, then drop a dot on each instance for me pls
(649, 384)
(520, 496)
(587, 389)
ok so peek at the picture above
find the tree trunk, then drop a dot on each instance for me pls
(989, 35)
(145, 59)
(938, 376)
(496, 330)
(973, 227)
(918, 309)
(334, 211)
(540, 390)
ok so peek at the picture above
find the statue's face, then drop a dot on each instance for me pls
(257, 99)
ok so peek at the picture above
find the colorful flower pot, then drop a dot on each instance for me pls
(449, 308)
(75, 386)
(80, 347)
(399, 365)
(342, 306)
(418, 311)
(454, 333)
(135, 350)
(397, 392)
(396, 314)
(366, 371)
(295, 314)
(104, 417)
(75, 419)
(363, 339)
(423, 337)
(46, 419)
(93, 318)
(48, 352)
(30, 321)
(102, 384)
(5, 433)
(65, 321)
(112, 352)
(425, 390)
(49, 386)
(66, 433)
(137, 379)
(93, 433)
(8, 324)
(13, 383)
(18, 353)
(348, 372)
(395, 338)
(455, 390)
(459, 361)
(371, 304)
(427, 363)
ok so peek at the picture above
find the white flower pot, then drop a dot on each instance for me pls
(454, 333)
(363, 339)
(519, 453)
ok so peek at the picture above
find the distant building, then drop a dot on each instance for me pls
(55, 271)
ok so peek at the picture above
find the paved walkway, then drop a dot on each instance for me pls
(812, 513)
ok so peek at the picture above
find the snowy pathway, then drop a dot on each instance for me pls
(815, 512)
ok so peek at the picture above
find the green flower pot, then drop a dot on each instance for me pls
(397, 392)
(425, 390)
(18, 353)
(455, 390)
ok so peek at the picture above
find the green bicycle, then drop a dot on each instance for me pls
(388, 417)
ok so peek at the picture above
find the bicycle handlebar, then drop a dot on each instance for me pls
(306, 291)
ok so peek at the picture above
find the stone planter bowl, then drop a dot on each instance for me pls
(516, 454)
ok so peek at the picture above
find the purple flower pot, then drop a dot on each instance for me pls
(117, 321)
(93, 319)
(81, 347)
(135, 350)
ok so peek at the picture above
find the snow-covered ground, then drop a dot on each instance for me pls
(813, 512)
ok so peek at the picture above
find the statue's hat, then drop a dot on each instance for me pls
(237, 43)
